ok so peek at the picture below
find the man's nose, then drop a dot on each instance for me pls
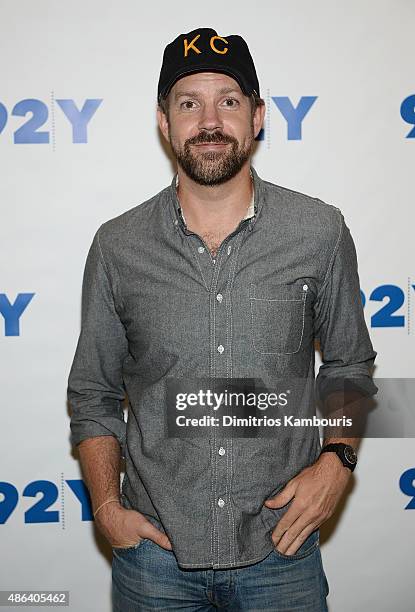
(210, 118)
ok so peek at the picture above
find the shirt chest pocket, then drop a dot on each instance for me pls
(277, 317)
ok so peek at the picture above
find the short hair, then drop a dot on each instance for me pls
(254, 99)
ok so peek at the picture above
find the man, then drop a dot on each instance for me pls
(221, 276)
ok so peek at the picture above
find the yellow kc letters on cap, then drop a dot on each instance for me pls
(213, 39)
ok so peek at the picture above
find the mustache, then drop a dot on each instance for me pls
(204, 137)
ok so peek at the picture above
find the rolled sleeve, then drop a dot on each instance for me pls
(347, 351)
(95, 384)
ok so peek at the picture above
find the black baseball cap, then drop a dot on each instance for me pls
(203, 50)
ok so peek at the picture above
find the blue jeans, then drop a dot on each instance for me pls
(147, 577)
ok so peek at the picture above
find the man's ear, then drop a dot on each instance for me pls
(163, 123)
(258, 120)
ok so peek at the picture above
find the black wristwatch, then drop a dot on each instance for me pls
(345, 452)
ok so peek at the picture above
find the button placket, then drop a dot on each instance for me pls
(223, 536)
(229, 443)
(222, 528)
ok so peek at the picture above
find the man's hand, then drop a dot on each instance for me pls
(123, 527)
(316, 491)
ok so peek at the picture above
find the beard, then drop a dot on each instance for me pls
(213, 167)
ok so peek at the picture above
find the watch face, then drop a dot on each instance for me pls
(350, 455)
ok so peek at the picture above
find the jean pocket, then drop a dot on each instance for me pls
(133, 547)
(307, 547)
(277, 317)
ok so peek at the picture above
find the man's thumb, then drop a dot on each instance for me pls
(159, 538)
(281, 498)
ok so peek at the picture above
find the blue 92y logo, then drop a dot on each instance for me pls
(407, 486)
(30, 132)
(40, 511)
(295, 114)
(385, 316)
(408, 114)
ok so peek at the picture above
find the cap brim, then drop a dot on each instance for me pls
(207, 68)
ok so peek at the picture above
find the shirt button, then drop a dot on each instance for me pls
(221, 451)
(219, 297)
(221, 502)
(305, 287)
(201, 249)
(220, 348)
(229, 249)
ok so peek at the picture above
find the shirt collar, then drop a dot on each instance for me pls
(251, 214)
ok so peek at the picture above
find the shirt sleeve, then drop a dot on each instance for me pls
(95, 385)
(339, 324)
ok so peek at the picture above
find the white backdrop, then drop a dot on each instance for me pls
(60, 181)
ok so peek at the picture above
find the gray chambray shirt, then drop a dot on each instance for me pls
(155, 304)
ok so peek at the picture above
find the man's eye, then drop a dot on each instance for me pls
(233, 102)
(187, 104)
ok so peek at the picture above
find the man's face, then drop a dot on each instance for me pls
(210, 126)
